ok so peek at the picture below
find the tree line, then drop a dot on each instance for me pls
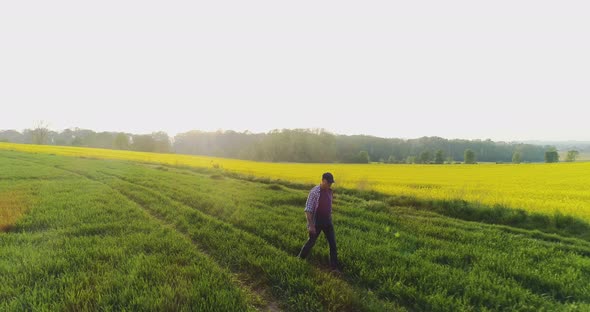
(296, 145)
(158, 142)
(317, 145)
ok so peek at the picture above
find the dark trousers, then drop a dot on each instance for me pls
(328, 230)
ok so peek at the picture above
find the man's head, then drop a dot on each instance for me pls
(327, 180)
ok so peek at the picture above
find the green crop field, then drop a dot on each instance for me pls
(89, 234)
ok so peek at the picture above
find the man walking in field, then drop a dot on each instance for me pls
(318, 210)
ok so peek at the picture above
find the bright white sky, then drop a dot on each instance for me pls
(505, 70)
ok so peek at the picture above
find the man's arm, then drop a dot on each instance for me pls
(310, 223)
(309, 216)
(310, 207)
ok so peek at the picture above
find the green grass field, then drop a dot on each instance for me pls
(88, 234)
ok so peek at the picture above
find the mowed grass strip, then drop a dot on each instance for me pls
(84, 247)
(393, 255)
(544, 188)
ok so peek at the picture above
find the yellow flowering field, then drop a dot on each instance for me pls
(563, 187)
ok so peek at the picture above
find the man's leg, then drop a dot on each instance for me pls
(309, 244)
(331, 237)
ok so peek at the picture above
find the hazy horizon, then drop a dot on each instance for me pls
(505, 70)
(532, 141)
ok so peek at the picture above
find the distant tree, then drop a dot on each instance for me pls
(551, 156)
(161, 142)
(363, 157)
(450, 160)
(425, 157)
(103, 140)
(439, 157)
(40, 132)
(392, 159)
(469, 156)
(516, 158)
(85, 137)
(143, 143)
(77, 141)
(572, 156)
(411, 160)
(11, 136)
(121, 141)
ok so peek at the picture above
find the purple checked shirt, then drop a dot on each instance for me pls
(319, 203)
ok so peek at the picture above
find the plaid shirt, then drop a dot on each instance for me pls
(313, 201)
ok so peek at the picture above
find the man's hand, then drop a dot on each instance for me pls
(311, 230)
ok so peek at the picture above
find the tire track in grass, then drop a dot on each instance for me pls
(321, 268)
(150, 188)
(149, 182)
(201, 296)
(329, 288)
(570, 242)
(240, 226)
(154, 182)
(270, 304)
(328, 285)
(319, 274)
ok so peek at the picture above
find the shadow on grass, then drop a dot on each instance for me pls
(556, 223)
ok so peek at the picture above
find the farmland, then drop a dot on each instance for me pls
(139, 231)
(543, 188)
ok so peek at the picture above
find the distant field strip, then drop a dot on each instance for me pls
(543, 188)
